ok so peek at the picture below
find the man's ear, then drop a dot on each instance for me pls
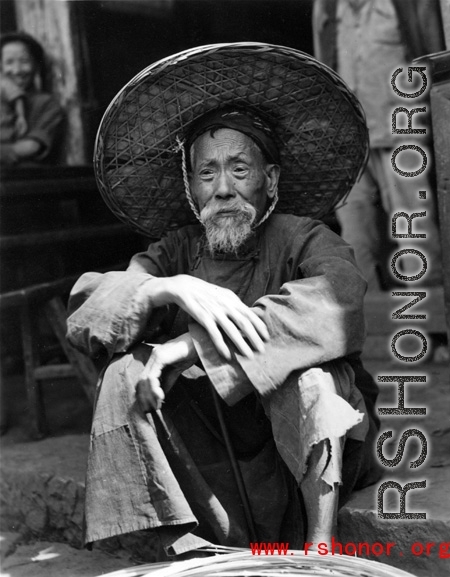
(273, 176)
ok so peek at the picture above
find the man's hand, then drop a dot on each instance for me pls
(218, 309)
(178, 354)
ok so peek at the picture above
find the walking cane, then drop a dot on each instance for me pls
(178, 448)
(210, 507)
(235, 468)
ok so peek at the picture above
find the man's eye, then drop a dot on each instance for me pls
(240, 169)
(206, 173)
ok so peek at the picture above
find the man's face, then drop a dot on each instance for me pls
(231, 182)
(18, 64)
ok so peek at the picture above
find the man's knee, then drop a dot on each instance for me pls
(117, 392)
(126, 367)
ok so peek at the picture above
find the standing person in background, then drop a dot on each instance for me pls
(365, 41)
(22, 62)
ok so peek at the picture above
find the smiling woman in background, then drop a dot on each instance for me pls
(29, 139)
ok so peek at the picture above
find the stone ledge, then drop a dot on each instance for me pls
(363, 526)
(50, 506)
(42, 494)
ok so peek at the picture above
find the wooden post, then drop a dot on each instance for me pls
(445, 11)
(440, 108)
(37, 424)
(53, 25)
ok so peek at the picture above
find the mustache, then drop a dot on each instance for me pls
(215, 210)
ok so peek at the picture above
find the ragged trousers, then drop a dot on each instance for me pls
(172, 473)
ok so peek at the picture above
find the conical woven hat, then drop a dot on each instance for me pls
(319, 125)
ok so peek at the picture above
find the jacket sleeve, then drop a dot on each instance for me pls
(110, 312)
(316, 317)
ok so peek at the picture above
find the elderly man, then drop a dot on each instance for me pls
(231, 346)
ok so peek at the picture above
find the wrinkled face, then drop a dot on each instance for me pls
(18, 64)
(231, 182)
(229, 167)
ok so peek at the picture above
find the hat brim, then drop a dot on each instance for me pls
(319, 125)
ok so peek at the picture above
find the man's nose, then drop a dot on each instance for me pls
(224, 187)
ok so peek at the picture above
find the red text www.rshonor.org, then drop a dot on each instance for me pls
(359, 549)
(269, 548)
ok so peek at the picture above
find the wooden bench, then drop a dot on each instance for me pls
(31, 303)
(54, 226)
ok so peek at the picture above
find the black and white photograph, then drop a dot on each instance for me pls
(225, 288)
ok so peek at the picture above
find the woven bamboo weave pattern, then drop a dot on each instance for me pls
(239, 563)
(319, 126)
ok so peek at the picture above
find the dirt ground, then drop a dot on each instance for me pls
(23, 554)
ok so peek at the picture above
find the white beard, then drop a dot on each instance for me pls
(226, 232)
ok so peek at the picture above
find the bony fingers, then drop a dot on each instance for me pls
(249, 314)
(146, 401)
(149, 394)
(243, 333)
(218, 340)
(157, 401)
(221, 347)
(156, 391)
(259, 325)
(236, 337)
(244, 349)
(249, 332)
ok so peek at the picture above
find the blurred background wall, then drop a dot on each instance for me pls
(95, 47)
